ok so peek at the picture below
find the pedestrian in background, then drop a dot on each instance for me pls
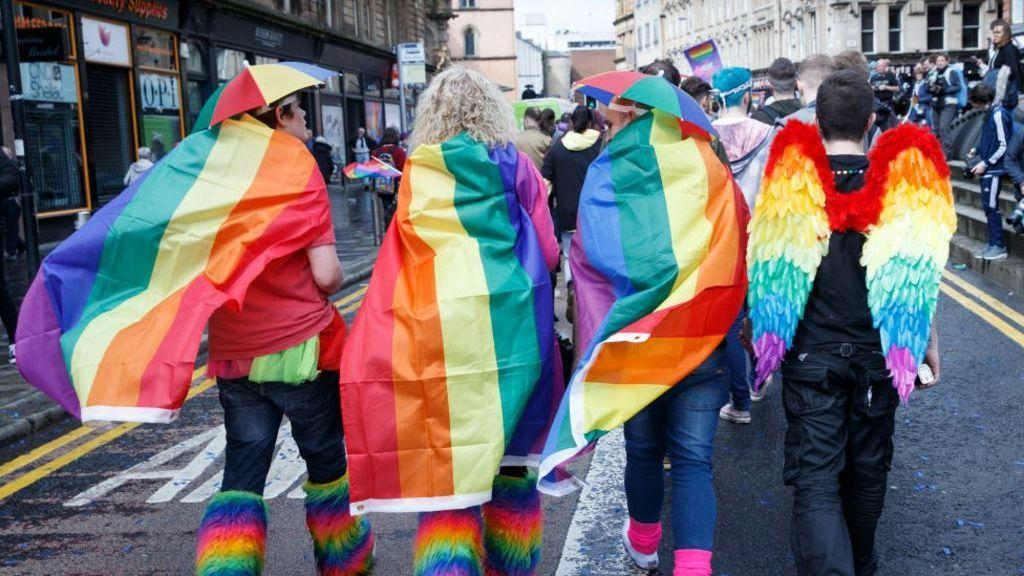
(10, 185)
(700, 91)
(390, 151)
(547, 122)
(565, 166)
(988, 165)
(1003, 71)
(322, 151)
(944, 84)
(886, 86)
(782, 78)
(139, 167)
(14, 245)
(362, 145)
(743, 137)
(921, 103)
(532, 140)
(665, 69)
(1013, 161)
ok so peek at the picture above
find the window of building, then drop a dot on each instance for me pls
(867, 29)
(936, 25)
(655, 34)
(469, 40)
(229, 63)
(972, 24)
(647, 35)
(467, 3)
(895, 28)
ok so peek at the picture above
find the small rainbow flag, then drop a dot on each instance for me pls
(111, 325)
(450, 369)
(658, 265)
(372, 168)
(704, 59)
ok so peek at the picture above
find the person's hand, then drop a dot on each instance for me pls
(1021, 187)
(979, 169)
(931, 359)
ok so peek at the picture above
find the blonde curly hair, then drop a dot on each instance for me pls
(462, 100)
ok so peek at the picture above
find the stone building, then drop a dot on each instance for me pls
(482, 35)
(625, 34)
(649, 37)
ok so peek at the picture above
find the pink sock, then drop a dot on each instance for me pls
(644, 537)
(693, 563)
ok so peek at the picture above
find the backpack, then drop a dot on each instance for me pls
(961, 96)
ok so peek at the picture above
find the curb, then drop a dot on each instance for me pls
(54, 414)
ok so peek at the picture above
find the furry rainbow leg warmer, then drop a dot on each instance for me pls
(449, 543)
(232, 536)
(342, 543)
(513, 526)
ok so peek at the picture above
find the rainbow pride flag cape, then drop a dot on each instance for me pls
(905, 210)
(111, 325)
(450, 368)
(658, 266)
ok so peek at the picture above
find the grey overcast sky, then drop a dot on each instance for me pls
(575, 15)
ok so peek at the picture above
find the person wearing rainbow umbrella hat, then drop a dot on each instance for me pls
(237, 213)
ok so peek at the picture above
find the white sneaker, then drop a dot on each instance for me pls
(643, 561)
(733, 415)
(758, 395)
(10, 354)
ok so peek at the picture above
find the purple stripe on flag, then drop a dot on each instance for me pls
(40, 359)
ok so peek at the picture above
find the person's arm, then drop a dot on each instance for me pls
(1012, 160)
(532, 194)
(953, 83)
(997, 119)
(547, 169)
(931, 357)
(323, 262)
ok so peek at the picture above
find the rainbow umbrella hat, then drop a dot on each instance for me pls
(650, 92)
(257, 86)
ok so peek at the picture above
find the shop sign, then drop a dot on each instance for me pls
(105, 42)
(159, 92)
(152, 11)
(49, 82)
(413, 62)
(268, 37)
(42, 44)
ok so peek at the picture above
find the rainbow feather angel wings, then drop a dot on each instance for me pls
(906, 212)
(111, 325)
(657, 262)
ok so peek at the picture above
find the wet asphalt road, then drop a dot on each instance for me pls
(955, 504)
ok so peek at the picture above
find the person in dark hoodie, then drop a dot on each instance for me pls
(565, 166)
(782, 77)
(322, 154)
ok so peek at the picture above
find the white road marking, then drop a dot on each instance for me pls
(286, 469)
(600, 511)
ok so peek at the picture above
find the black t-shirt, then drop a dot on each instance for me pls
(837, 310)
(887, 78)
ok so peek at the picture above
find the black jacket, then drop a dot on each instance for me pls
(778, 109)
(322, 155)
(10, 181)
(567, 169)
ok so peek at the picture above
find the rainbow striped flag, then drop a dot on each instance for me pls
(658, 265)
(450, 368)
(704, 59)
(111, 325)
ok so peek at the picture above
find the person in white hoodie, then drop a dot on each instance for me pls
(139, 167)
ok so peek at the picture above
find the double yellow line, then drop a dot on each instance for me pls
(200, 384)
(992, 311)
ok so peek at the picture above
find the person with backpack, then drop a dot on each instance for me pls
(782, 77)
(391, 152)
(10, 185)
(944, 84)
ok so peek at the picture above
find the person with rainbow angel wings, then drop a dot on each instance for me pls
(845, 257)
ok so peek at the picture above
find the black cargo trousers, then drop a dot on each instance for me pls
(840, 408)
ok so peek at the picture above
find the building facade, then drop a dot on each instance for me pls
(625, 34)
(482, 35)
(647, 23)
(529, 65)
(103, 78)
(752, 33)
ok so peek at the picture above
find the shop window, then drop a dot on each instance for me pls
(43, 34)
(372, 86)
(53, 135)
(196, 62)
(198, 92)
(111, 131)
(266, 59)
(353, 84)
(229, 63)
(332, 85)
(155, 49)
(161, 122)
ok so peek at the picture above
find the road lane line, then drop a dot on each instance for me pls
(46, 449)
(993, 320)
(36, 474)
(1009, 313)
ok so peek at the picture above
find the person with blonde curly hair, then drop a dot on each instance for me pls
(461, 288)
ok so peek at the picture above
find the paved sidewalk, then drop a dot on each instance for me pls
(24, 410)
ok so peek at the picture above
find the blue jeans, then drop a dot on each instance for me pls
(681, 423)
(252, 416)
(739, 365)
(990, 201)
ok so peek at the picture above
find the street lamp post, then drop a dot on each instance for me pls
(28, 198)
